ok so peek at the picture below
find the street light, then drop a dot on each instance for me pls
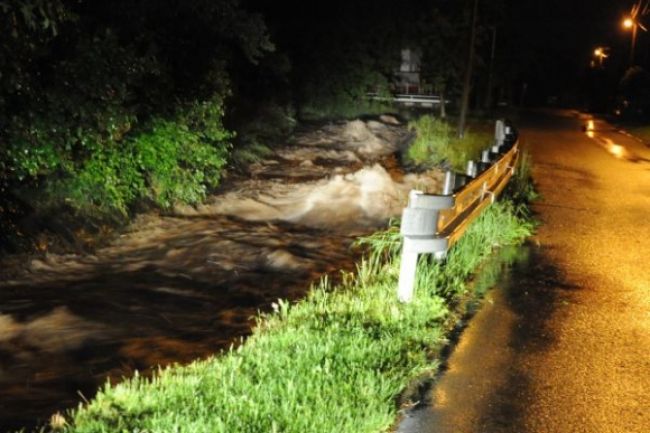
(628, 23)
(601, 55)
(632, 22)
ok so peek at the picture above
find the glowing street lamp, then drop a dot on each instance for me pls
(632, 22)
(601, 55)
(628, 23)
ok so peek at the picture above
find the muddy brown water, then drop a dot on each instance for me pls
(175, 288)
(61, 340)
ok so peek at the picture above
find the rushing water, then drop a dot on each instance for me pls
(181, 287)
(61, 339)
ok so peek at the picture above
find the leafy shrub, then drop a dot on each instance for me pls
(170, 161)
(114, 108)
(181, 159)
(108, 181)
(431, 142)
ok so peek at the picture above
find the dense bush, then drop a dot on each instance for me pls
(171, 160)
(183, 157)
(100, 107)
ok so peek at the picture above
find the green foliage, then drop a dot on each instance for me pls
(181, 159)
(115, 108)
(340, 358)
(436, 143)
(521, 187)
(107, 182)
(634, 91)
(344, 96)
(170, 161)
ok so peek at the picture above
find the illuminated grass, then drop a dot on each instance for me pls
(336, 361)
(436, 143)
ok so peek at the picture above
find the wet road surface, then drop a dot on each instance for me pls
(562, 345)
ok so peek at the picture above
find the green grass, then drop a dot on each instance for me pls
(436, 143)
(336, 361)
(521, 188)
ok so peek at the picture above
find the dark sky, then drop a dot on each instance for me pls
(551, 41)
(555, 40)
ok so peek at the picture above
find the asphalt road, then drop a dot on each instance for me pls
(563, 344)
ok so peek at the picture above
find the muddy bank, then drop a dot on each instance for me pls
(186, 285)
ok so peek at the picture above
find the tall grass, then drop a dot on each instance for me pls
(436, 143)
(521, 188)
(336, 361)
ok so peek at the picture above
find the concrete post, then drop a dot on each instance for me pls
(500, 132)
(450, 181)
(471, 169)
(419, 227)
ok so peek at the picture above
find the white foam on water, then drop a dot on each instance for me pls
(364, 140)
(366, 197)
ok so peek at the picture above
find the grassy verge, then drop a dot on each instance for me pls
(436, 143)
(335, 362)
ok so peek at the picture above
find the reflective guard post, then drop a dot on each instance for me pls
(407, 270)
(419, 227)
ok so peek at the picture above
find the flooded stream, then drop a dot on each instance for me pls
(183, 286)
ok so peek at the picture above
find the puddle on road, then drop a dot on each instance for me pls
(477, 388)
(596, 129)
(181, 287)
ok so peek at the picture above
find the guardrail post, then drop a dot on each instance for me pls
(450, 182)
(500, 132)
(408, 264)
(419, 227)
(425, 230)
(471, 168)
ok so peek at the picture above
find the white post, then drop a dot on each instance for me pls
(450, 178)
(407, 271)
(500, 132)
(418, 230)
(407, 267)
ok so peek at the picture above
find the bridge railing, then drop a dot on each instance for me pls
(432, 223)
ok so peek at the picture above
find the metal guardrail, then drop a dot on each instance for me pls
(433, 223)
(424, 100)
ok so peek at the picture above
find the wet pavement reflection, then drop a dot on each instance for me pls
(561, 344)
(481, 387)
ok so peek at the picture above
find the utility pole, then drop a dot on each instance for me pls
(488, 97)
(632, 48)
(464, 103)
